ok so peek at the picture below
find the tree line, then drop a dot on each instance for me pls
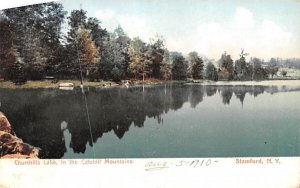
(33, 46)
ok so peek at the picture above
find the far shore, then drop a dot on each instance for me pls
(77, 83)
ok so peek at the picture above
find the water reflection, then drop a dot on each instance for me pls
(41, 116)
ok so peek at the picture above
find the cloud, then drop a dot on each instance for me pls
(105, 14)
(243, 19)
(269, 32)
(134, 26)
(261, 39)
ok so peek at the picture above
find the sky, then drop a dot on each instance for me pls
(264, 28)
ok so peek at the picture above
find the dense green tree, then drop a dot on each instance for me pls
(32, 44)
(258, 72)
(242, 69)
(156, 52)
(112, 58)
(8, 54)
(107, 60)
(211, 72)
(11, 65)
(226, 71)
(87, 51)
(116, 74)
(85, 40)
(122, 42)
(179, 66)
(87, 48)
(76, 19)
(196, 65)
(37, 31)
(166, 66)
(140, 63)
(115, 55)
(98, 34)
(16, 73)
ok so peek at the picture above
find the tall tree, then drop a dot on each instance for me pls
(122, 42)
(258, 73)
(76, 19)
(166, 65)
(37, 31)
(179, 66)
(113, 64)
(156, 50)
(87, 50)
(226, 67)
(7, 52)
(140, 64)
(98, 39)
(44, 20)
(86, 46)
(85, 38)
(242, 69)
(11, 66)
(196, 65)
(211, 72)
(98, 34)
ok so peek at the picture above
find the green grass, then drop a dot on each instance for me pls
(47, 84)
(291, 74)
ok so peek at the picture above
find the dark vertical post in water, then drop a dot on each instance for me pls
(82, 89)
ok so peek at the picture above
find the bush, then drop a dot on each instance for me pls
(93, 74)
(34, 71)
(16, 73)
(211, 72)
(116, 74)
(284, 73)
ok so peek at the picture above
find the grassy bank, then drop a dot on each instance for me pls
(49, 84)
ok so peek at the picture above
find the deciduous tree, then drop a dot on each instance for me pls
(211, 72)
(179, 66)
(226, 67)
(140, 63)
(196, 65)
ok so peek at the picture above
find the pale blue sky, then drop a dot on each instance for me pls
(269, 28)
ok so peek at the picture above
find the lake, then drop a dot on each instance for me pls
(178, 120)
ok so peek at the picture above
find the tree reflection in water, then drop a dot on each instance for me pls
(37, 115)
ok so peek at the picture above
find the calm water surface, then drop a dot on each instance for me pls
(158, 121)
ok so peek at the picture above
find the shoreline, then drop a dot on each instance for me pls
(77, 83)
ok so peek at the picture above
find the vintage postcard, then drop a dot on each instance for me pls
(157, 93)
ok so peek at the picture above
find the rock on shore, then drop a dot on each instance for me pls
(11, 146)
